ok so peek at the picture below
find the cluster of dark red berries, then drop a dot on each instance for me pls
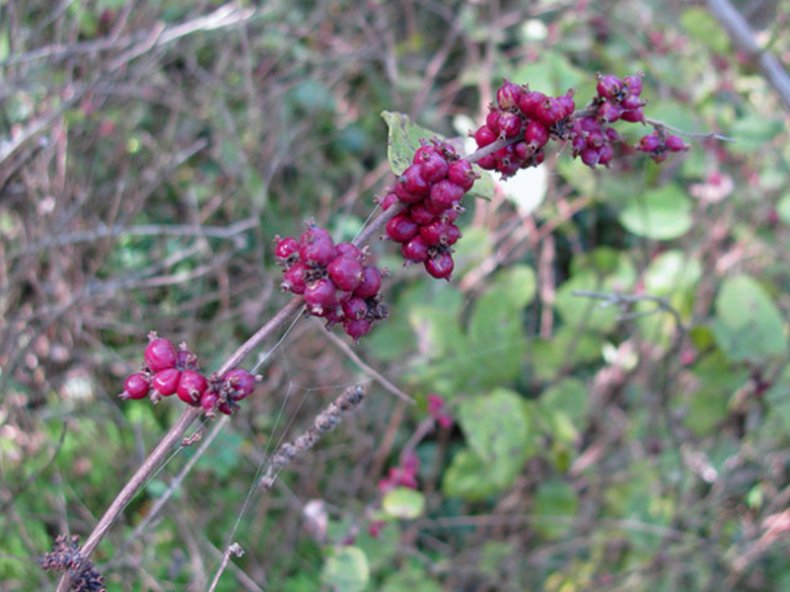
(431, 189)
(334, 280)
(168, 370)
(530, 119)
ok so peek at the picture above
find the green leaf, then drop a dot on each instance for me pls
(661, 214)
(403, 503)
(469, 477)
(556, 504)
(783, 209)
(672, 271)
(346, 570)
(707, 404)
(411, 578)
(563, 408)
(700, 24)
(753, 132)
(515, 285)
(566, 349)
(748, 326)
(403, 141)
(497, 429)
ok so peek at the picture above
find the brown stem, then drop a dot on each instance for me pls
(176, 433)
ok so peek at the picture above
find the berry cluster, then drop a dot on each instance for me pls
(437, 409)
(431, 189)
(66, 557)
(168, 370)
(658, 144)
(529, 119)
(333, 279)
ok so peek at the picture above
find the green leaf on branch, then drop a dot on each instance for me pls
(748, 326)
(404, 140)
(346, 570)
(661, 214)
(403, 503)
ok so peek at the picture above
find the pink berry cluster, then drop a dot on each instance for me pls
(437, 409)
(168, 370)
(404, 475)
(658, 144)
(431, 189)
(528, 118)
(334, 280)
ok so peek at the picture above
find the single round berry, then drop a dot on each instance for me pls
(160, 354)
(536, 134)
(316, 247)
(462, 174)
(135, 386)
(320, 297)
(485, 136)
(209, 400)
(351, 251)
(609, 86)
(509, 125)
(191, 387)
(358, 328)
(371, 283)
(239, 383)
(633, 115)
(413, 182)
(508, 95)
(440, 266)
(295, 279)
(286, 249)
(675, 144)
(165, 382)
(433, 167)
(345, 273)
(446, 193)
(401, 228)
(416, 249)
(355, 308)
(420, 214)
(531, 102)
(650, 143)
(634, 84)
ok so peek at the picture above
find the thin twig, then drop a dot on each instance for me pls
(372, 372)
(233, 549)
(627, 300)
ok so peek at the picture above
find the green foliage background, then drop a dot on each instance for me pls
(636, 438)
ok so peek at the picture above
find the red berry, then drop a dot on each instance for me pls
(165, 382)
(209, 400)
(356, 329)
(650, 143)
(416, 249)
(508, 95)
(316, 247)
(433, 167)
(345, 273)
(406, 196)
(446, 193)
(441, 266)
(610, 111)
(485, 136)
(227, 408)
(371, 283)
(609, 86)
(530, 102)
(401, 228)
(462, 174)
(633, 115)
(675, 144)
(160, 354)
(632, 102)
(135, 386)
(590, 156)
(191, 387)
(492, 121)
(509, 125)
(355, 308)
(536, 134)
(413, 182)
(419, 214)
(295, 279)
(239, 383)
(320, 297)
(286, 248)
(351, 251)
(634, 84)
